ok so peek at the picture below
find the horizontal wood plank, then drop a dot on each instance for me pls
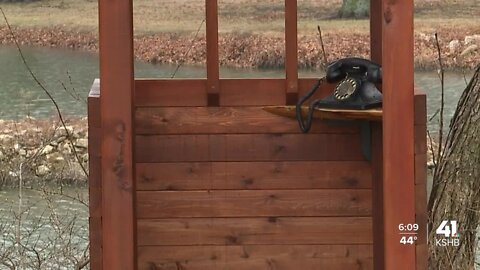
(253, 175)
(253, 203)
(255, 231)
(240, 120)
(191, 92)
(304, 257)
(233, 92)
(247, 147)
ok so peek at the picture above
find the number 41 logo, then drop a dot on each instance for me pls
(448, 230)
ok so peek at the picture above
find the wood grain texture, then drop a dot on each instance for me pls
(278, 257)
(398, 130)
(254, 175)
(252, 203)
(291, 47)
(377, 194)
(320, 113)
(254, 231)
(117, 84)
(95, 238)
(233, 92)
(252, 92)
(246, 147)
(213, 67)
(171, 93)
(218, 120)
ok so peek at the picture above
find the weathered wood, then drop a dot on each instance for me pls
(171, 93)
(213, 67)
(255, 231)
(253, 175)
(117, 85)
(95, 238)
(420, 139)
(281, 257)
(93, 105)
(252, 92)
(233, 92)
(212, 120)
(420, 102)
(321, 113)
(248, 203)
(248, 147)
(398, 131)
(94, 141)
(291, 55)
(377, 194)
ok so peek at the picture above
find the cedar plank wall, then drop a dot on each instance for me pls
(234, 187)
(278, 202)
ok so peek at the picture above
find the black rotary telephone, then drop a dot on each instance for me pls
(355, 90)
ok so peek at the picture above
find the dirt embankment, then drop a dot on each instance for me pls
(262, 51)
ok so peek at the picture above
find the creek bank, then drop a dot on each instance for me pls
(261, 51)
(39, 151)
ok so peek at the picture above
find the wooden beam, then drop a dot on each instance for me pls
(117, 85)
(213, 69)
(398, 130)
(291, 55)
(376, 143)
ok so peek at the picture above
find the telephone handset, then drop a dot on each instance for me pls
(355, 89)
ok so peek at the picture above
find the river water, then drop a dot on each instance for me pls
(68, 75)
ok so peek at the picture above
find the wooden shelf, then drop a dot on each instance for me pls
(337, 114)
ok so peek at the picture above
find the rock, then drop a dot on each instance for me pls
(469, 50)
(47, 150)
(85, 157)
(22, 152)
(473, 39)
(5, 137)
(16, 146)
(81, 143)
(42, 170)
(454, 45)
(2, 155)
(55, 158)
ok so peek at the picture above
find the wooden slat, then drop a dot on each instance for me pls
(377, 194)
(327, 114)
(213, 67)
(117, 85)
(421, 218)
(94, 141)
(253, 175)
(249, 203)
(211, 120)
(291, 51)
(306, 257)
(420, 108)
(398, 130)
(93, 105)
(252, 92)
(95, 238)
(247, 147)
(420, 139)
(233, 92)
(172, 93)
(254, 231)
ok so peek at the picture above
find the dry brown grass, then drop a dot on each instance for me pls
(237, 16)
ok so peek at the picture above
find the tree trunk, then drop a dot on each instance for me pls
(456, 186)
(354, 9)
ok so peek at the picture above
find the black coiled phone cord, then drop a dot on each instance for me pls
(305, 126)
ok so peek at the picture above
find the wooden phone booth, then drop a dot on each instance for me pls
(195, 174)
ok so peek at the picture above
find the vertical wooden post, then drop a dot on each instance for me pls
(291, 54)
(398, 130)
(377, 143)
(213, 69)
(117, 90)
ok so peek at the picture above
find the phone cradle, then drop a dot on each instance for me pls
(367, 97)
